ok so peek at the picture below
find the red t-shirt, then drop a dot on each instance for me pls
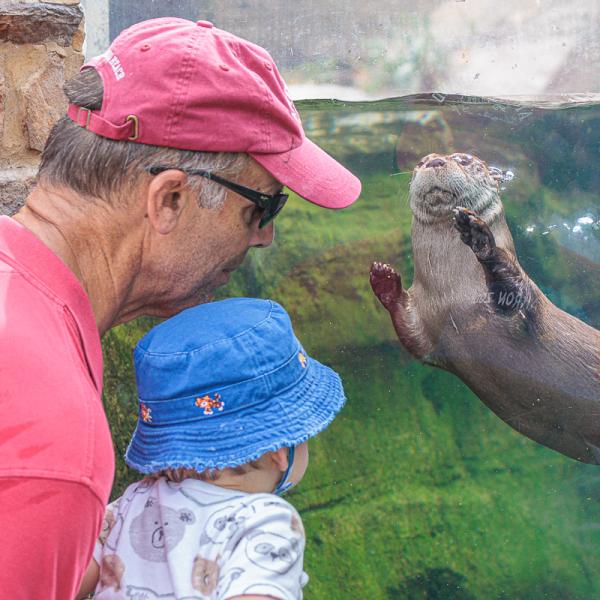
(52, 422)
(56, 454)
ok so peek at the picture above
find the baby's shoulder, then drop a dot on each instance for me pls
(133, 494)
(140, 488)
(265, 503)
(270, 512)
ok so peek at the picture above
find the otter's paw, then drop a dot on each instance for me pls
(474, 232)
(386, 284)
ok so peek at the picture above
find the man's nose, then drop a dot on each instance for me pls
(263, 236)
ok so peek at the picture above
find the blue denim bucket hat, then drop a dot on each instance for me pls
(223, 383)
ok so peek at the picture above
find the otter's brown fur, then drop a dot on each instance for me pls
(472, 310)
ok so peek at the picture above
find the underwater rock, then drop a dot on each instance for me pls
(482, 126)
(423, 129)
(567, 144)
(585, 275)
(386, 132)
(472, 310)
(327, 298)
(433, 584)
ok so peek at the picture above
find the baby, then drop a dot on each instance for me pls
(227, 401)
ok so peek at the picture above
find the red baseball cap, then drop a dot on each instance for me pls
(172, 82)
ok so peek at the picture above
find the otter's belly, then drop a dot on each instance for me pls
(539, 389)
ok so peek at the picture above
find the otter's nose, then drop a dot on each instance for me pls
(435, 162)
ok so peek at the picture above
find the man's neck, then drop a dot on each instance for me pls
(85, 238)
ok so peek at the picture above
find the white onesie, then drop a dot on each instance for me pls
(195, 540)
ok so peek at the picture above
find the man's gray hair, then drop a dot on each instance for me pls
(98, 167)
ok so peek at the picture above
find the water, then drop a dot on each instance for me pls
(417, 490)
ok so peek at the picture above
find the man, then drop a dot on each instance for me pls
(168, 168)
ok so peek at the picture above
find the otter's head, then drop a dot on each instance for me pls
(441, 183)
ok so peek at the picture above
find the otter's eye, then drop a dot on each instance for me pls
(463, 159)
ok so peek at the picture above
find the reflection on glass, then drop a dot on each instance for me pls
(368, 49)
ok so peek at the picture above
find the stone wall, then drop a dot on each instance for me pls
(40, 48)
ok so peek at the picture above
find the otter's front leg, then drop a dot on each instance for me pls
(509, 287)
(387, 285)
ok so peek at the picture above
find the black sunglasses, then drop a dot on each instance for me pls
(270, 205)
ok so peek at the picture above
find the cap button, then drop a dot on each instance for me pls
(206, 24)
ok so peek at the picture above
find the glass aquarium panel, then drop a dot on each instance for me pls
(367, 49)
(417, 490)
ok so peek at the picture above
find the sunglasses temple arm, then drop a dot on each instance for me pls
(234, 187)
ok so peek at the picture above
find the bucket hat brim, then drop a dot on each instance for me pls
(227, 440)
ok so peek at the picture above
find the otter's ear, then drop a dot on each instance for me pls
(165, 199)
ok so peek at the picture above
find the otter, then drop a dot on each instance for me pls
(472, 310)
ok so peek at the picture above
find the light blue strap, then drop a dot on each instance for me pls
(284, 485)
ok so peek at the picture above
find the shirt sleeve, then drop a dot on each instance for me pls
(266, 555)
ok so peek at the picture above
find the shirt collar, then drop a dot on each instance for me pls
(29, 252)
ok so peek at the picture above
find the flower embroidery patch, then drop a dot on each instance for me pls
(210, 404)
(302, 359)
(145, 413)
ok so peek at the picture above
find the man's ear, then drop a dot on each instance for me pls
(280, 458)
(165, 200)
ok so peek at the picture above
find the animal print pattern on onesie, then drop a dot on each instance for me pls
(262, 549)
(272, 551)
(158, 529)
(195, 541)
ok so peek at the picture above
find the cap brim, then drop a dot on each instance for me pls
(312, 174)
